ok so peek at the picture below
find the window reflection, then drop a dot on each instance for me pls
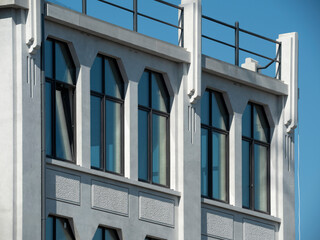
(255, 159)
(107, 91)
(58, 229)
(153, 129)
(214, 148)
(60, 87)
(105, 234)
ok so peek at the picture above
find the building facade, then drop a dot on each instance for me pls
(107, 133)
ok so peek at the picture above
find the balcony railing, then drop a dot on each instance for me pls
(237, 48)
(98, 9)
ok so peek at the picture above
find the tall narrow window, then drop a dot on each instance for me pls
(58, 229)
(107, 90)
(106, 234)
(214, 146)
(60, 86)
(255, 159)
(153, 127)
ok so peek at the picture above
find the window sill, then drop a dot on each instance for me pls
(243, 211)
(110, 176)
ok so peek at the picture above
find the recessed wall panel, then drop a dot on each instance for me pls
(156, 209)
(216, 224)
(63, 186)
(256, 230)
(110, 198)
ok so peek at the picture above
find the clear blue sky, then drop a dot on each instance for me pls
(268, 18)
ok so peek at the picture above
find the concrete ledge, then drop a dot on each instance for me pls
(244, 76)
(14, 4)
(243, 211)
(105, 175)
(115, 33)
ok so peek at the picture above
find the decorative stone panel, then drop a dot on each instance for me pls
(110, 198)
(63, 186)
(216, 224)
(253, 230)
(156, 209)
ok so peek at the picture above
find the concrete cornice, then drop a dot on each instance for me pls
(244, 76)
(115, 33)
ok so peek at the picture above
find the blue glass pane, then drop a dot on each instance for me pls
(96, 75)
(159, 149)
(205, 108)
(220, 115)
(95, 135)
(98, 234)
(64, 130)
(49, 228)
(260, 178)
(261, 126)
(204, 162)
(111, 234)
(63, 231)
(113, 137)
(113, 79)
(65, 69)
(48, 119)
(219, 166)
(245, 174)
(144, 90)
(48, 59)
(160, 96)
(143, 145)
(246, 121)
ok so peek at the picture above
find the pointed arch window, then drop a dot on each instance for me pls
(214, 146)
(103, 233)
(255, 159)
(60, 73)
(58, 228)
(153, 127)
(106, 114)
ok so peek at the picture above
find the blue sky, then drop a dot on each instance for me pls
(268, 18)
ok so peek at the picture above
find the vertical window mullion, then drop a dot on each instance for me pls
(150, 146)
(54, 228)
(252, 172)
(210, 154)
(53, 99)
(167, 152)
(103, 115)
(122, 138)
(210, 165)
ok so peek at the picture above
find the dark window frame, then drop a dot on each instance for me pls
(103, 98)
(61, 85)
(150, 111)
(210, 130)
(69, 227)
(108, 228)
(252, 142)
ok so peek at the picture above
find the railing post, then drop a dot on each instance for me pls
(84, 6)
(236, 42)
(135, 15)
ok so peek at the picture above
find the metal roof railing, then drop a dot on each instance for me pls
(136, 13)
(237, 47)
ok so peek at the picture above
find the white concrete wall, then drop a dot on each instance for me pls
(20, 139)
